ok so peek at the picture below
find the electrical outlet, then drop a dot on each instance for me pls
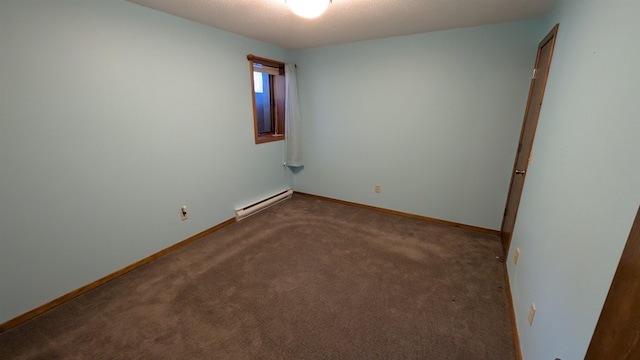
(377, 188)
(532, 313)
(183, 213)
(516, 256)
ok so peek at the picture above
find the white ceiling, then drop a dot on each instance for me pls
(345, 21)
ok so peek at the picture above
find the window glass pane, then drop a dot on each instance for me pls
(257, 82)
(264, 111)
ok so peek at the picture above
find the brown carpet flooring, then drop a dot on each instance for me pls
(306, 279)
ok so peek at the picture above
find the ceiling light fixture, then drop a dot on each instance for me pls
(308, 8)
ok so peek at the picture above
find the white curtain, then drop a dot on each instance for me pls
(292, 118)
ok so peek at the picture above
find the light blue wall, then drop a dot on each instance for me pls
(112, 117)
(433, 118)
(583, 185)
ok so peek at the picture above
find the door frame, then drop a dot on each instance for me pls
(505, 236)
(618, 328)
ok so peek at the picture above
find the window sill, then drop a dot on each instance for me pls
(269, 138)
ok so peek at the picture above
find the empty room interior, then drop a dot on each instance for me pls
(114, 115)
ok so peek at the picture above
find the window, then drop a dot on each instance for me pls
(268, 89)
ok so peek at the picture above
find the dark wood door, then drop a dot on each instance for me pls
(529, 124)
(617, 335)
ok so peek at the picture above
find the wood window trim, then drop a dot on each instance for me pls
(279, 110)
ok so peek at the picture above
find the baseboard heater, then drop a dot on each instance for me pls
(255, 207)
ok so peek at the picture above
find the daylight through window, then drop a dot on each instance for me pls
(268, 88)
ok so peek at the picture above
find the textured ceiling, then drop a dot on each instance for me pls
(344, 21)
